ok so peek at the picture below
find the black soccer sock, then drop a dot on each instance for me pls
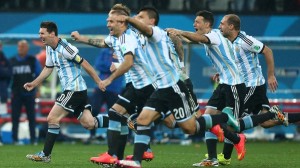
(258, 119)
(123, 140)
(92, 133)
(53, 132)
(211, 145)
(102, 121)
(227, 149)
(233, 137)
(141, 142)
(293, 117)
(207, 121)
(113, 132)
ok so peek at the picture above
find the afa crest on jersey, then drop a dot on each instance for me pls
(256, 48)
(237, 49)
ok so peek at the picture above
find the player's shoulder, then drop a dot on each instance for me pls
(129, 36)
(245, 39)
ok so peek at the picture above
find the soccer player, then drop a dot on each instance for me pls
(65, 57)
(171, 94)
(129, 49)
(246, 49)
(231, 90)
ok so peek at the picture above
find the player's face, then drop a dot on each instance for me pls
(113, 25)
(45, 36)
(199, 25)
(144, 18)
(224, 27)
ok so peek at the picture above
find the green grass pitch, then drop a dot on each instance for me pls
(259, 154)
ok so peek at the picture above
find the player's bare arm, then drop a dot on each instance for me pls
(272, 82)
(143, 28)
(177, 33)
(83, 39)
(195, 37)
(43, 75)
(178, 46)
(122, 69)
(91, 71)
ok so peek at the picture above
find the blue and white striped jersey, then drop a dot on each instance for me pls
(158, 50)
(68, 70)
(246, 49)
(140, 73)
(222, 57)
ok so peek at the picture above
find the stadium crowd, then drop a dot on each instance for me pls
(188, 6)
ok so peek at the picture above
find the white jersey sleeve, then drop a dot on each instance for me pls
(213, 38)
(157, 34)
(108, 41)
(252, 44)
(68, 51)
(128, 44)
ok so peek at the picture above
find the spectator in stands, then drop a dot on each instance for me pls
(25, 68)
(5, 76)
(110, 96)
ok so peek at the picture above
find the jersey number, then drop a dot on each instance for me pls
(179, 113)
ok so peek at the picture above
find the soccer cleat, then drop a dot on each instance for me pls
(105, 159)
(39, 157)
(240, 147)
(207, 163)
(218, 131)
(147, 156)
(131, 122)
(221, 159)
(129, 164)
(232, 121)
(279, 115)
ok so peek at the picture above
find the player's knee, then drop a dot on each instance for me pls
(142, 121)
(88, 124)
(51, 119)
(189, 131)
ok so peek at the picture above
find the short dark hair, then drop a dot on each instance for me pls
(208, 16)
(50, 26)
(152, 13)
(235, 21)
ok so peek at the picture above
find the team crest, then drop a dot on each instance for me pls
(123, 48)
(256, 48)
(237, 49)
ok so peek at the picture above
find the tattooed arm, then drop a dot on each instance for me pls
(93, 42)
(178, 46)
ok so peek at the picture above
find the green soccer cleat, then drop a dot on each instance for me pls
(221, 159)
(39, 157)
(232, 121)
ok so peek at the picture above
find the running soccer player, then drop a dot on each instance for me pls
(246, 49)
(129, 49)
(171, 95)
(231, 89)
(65, 57)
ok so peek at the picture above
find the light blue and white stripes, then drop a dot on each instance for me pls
(68, 71)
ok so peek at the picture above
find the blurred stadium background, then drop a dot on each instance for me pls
(274, 22)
